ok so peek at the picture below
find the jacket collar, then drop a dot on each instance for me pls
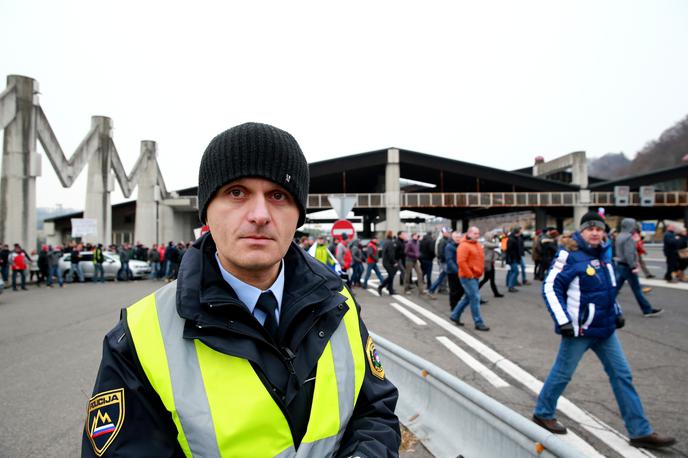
(587, 248)
(204, 297)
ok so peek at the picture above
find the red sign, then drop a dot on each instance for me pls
(343, 226)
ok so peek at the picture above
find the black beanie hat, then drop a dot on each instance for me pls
(253, 150)
(592, 219)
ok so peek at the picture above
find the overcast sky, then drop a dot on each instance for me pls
(496, 83)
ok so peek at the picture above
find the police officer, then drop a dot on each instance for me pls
(257, 349)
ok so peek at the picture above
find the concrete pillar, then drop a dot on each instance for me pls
(145, 229)
(582, 206)
(100, 183)
(540, 218)
(560, 224)
(21, 164)
(393, 190)
(166, 224)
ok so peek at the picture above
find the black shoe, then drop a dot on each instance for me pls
(653, 440)
(651, 276)
(456, 322)
(513, 290)
(499, 295)
(481, 327)
(553, 426)
(379, 289)
(653, 312)
(483, 301)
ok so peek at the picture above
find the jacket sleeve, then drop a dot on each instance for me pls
(373, 430)
(462, 260)
(556, 285)
(144, 428)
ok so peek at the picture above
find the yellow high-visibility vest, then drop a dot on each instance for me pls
(220, 406)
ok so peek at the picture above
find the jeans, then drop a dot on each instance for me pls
(155, 267)
(523, 270)
(5, 269)
(98, 273)
(440, 278)
(624, 273)
(76, 268)
(357, 273)
(512, 275)
(14, 279)
(124, 272)
(54, 271)
(426, 267)
(611, 356)
(455, 289)
(370, 268)
(472, 296)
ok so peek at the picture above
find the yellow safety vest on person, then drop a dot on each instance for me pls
(220, 406)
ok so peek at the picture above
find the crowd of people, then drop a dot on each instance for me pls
(466, 261)
(581, 274)
(41, 267)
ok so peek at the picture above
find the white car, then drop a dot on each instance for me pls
(111, 265)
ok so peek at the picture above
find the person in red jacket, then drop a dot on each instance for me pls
(471, 261)
(19, 260)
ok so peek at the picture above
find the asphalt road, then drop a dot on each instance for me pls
(50, 344)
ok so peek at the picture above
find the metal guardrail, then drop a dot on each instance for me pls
(497, 199)
(454, 419)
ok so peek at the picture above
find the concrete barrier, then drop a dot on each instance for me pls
(454, 419)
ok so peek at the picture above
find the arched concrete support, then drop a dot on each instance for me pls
(21, 164)
(100, 183)
(393, 190)
(145, 230)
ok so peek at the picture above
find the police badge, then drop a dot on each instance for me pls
(374, 360)
(104, 419)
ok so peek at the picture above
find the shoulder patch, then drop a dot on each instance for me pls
(104, 419)
(374, 360)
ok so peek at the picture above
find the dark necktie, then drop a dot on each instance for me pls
(268, 305)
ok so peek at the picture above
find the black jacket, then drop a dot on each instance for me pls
(427, 248)
(388, 253)
(513, 249)
(312, 308)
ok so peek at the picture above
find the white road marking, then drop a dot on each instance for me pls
(604, 432)
(473, 363)
(408, 314)
(373, 291)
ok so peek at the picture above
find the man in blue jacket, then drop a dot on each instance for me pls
(580, 293)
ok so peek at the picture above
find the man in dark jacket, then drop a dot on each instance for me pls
(248, 351)
(400, 254)
(670, 248)
(627, 266)
(427, 254)
(389, 263)
(455, 288)
(513, 258)
(580, 295)
(5, 262)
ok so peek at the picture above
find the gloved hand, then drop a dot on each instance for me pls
(567, 330)
(620, 321)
